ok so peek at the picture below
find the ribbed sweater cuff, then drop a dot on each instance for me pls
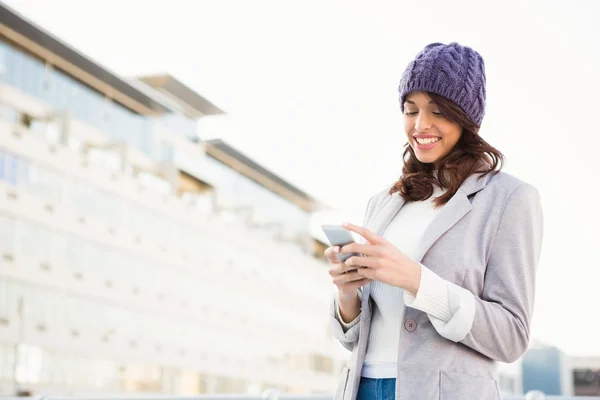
(432, 297)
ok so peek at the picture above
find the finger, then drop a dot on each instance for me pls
(364, 232)
(347, 278)
(340, 269)
(361, 248)
(369, 273)
(359, 283)
(369, 262)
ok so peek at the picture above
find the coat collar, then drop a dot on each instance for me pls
(452, 212)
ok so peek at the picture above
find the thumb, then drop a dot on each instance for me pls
(332, 254)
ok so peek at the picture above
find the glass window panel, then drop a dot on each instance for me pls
(7, 114)
(3, 156)
(22, 176)
(42, 243)
(12, 66)
(17, 69)
(4, 307)
(7, 234)
(52, 186)
(7, 362)
(3, 53)
(10, 168)
(58, 250)
(23, 237)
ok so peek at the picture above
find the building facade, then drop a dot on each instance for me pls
(548, 369)
(135, 257)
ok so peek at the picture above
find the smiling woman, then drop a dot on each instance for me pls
(444, 283)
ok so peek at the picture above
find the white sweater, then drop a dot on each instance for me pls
(405, 232)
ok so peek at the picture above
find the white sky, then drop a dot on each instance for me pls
(310, 87)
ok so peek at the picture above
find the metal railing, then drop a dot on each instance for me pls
(269, 395)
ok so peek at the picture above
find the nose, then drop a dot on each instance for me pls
(424, 122)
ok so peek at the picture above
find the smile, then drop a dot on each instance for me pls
(426, 143)
(427, 140)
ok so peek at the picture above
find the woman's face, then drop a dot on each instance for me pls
(429, 134)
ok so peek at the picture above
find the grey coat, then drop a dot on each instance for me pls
(487, 239)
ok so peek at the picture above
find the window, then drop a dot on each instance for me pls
(7, 357)
(166, 152)
(141, 378)
(75, 254)
(7, 235)
(321, 363)
(8, 114)
(586, 382)
(4, 304)
(8, 167)
(229, 385)
(29, 363)
(42, 182)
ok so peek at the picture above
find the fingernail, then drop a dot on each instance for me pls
(336, 249)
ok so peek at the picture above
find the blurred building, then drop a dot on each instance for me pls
(585, 372)
(135, 257)
(510, 378)
(548, 369)
(544, 370)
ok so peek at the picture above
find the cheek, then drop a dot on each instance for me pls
(452, 135)
(408, 126)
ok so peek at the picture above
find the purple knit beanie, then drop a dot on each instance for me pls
(453, 71)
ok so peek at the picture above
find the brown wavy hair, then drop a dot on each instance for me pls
(470, 155)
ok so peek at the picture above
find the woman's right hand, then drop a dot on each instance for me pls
(343, 276)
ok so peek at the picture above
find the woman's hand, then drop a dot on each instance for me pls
(346, 278)
(383, 262)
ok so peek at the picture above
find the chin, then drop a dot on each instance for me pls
(427, 158)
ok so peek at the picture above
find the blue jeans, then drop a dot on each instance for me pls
(376, 389)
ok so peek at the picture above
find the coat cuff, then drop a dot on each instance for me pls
(450, 307)
(344, 332)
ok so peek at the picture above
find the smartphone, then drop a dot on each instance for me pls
(339, 236)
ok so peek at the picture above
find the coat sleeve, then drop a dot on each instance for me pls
(501, 327)
(497, 324)
(347, 333)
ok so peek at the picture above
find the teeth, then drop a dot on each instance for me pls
(427, 140)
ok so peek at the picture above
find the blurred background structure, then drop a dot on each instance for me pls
(548, 369)
(127, 243)
(138, 257)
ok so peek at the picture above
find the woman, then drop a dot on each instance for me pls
(445, 286)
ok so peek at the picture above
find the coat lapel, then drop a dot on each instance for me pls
(386, 214)
(458, 206)
(448, 216)
(452, 212)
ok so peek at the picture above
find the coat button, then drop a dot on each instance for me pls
(410, 325)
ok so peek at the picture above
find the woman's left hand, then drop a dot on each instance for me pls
(382, 261)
